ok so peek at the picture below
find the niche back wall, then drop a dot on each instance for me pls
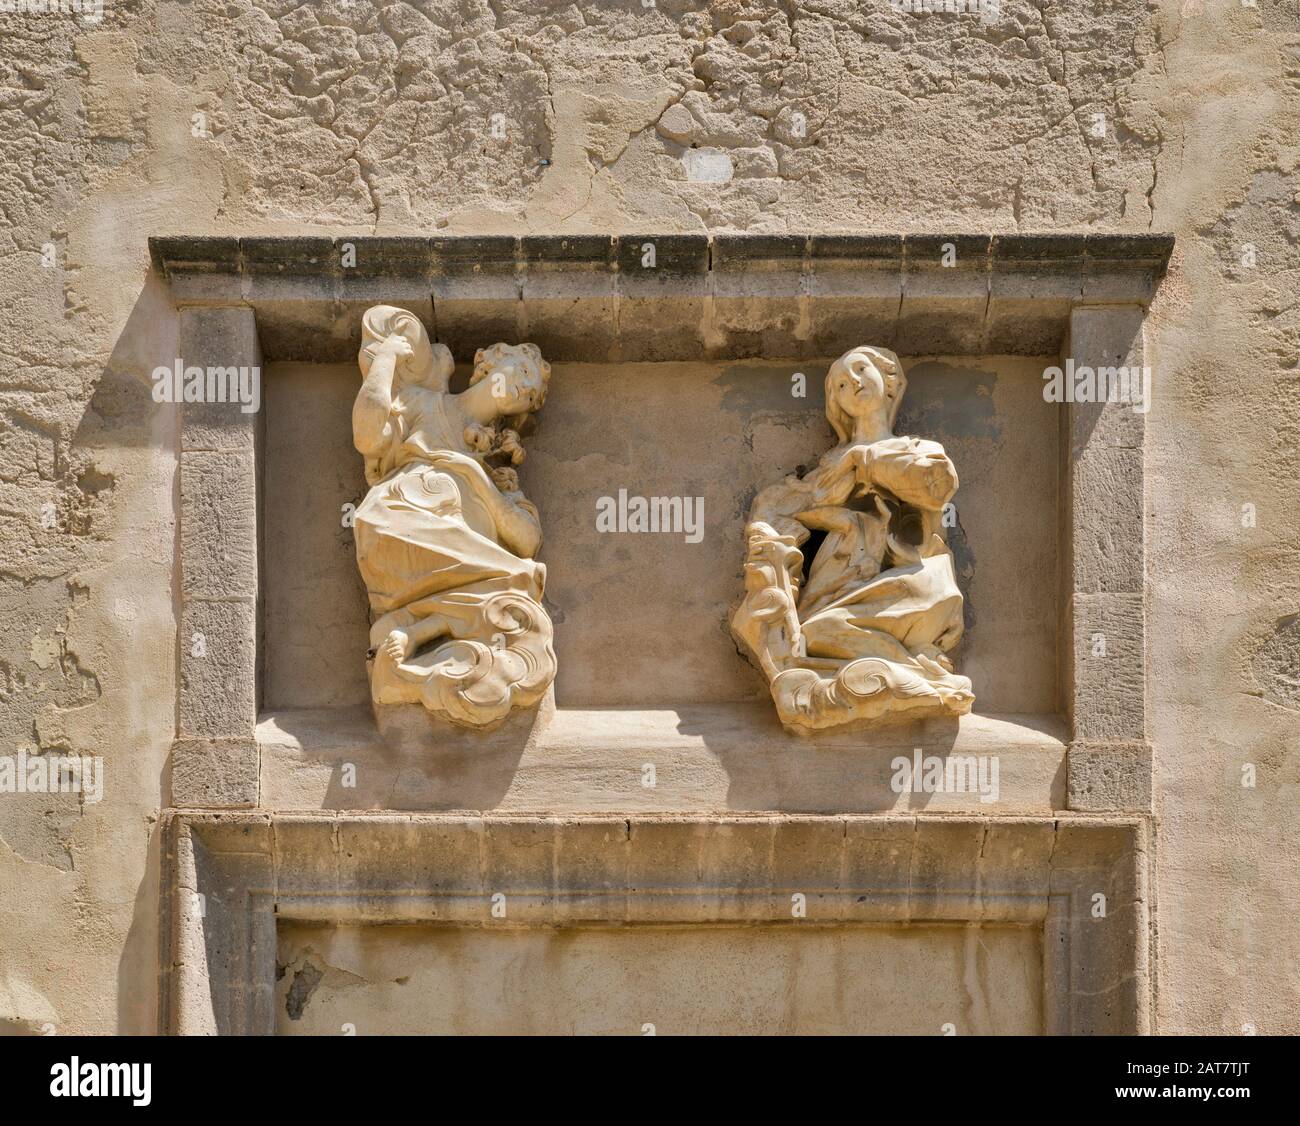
(641, 620)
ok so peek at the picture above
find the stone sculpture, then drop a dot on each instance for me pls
(445, 540)
(864, 630)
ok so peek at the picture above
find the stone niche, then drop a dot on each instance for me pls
(677, 363)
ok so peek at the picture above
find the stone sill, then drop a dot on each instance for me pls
(707, 758)
(600, 297)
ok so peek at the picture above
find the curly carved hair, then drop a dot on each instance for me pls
(486, 361)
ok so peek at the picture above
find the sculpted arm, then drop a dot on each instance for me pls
(777, 506)
(914, 470)
(518, 524)
(372, 412)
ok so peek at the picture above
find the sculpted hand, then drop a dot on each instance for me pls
(938, 481)
(510, 446)
(396, 346)
(863, 457)
(505, 479)
(914, 470)
(834, 482)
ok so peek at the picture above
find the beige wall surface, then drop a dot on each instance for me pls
(681, 981)
(199, 117)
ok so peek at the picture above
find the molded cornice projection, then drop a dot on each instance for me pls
(672, 296)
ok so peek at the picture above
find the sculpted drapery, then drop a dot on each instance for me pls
(867, 630)
(445, 540)
(446, 544)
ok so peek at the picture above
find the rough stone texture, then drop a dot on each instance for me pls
(1109, 776)
(218, 690)
(218, 524)
(214, 773)
(1277, 664)
(218, 336)
(1108, 693)
(220, 447)
(338, 116)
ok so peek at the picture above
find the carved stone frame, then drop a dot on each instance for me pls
(648, 297)
(231, 875)
(234, 877)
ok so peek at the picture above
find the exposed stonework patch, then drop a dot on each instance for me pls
(1277, 664)
(301, 986)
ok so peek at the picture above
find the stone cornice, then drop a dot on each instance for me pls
(679, 254)
(672, 296)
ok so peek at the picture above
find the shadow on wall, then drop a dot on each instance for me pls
(769, 769)
(125, 523)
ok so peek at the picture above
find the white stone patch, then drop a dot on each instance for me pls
(707, 166)
(44, 651)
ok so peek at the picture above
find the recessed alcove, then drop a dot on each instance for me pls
(685, 981)
(654, 787)
(641, 620)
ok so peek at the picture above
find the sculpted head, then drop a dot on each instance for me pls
(859, 384)
(429, 365)
(517, 375)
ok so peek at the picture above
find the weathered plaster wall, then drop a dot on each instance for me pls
(242, 118)
(792, 980)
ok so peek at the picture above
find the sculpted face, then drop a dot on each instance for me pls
(518, 386)
(517, 377)
(858, 385)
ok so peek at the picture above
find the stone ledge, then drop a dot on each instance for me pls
(406, 256)
(716, 296)
(706, 758)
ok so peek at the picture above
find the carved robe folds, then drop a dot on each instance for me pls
(866, 632)
(445, 543)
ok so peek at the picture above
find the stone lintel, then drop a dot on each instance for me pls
(234, 877)
(672, 296)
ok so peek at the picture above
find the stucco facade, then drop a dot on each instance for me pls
(531, 119)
